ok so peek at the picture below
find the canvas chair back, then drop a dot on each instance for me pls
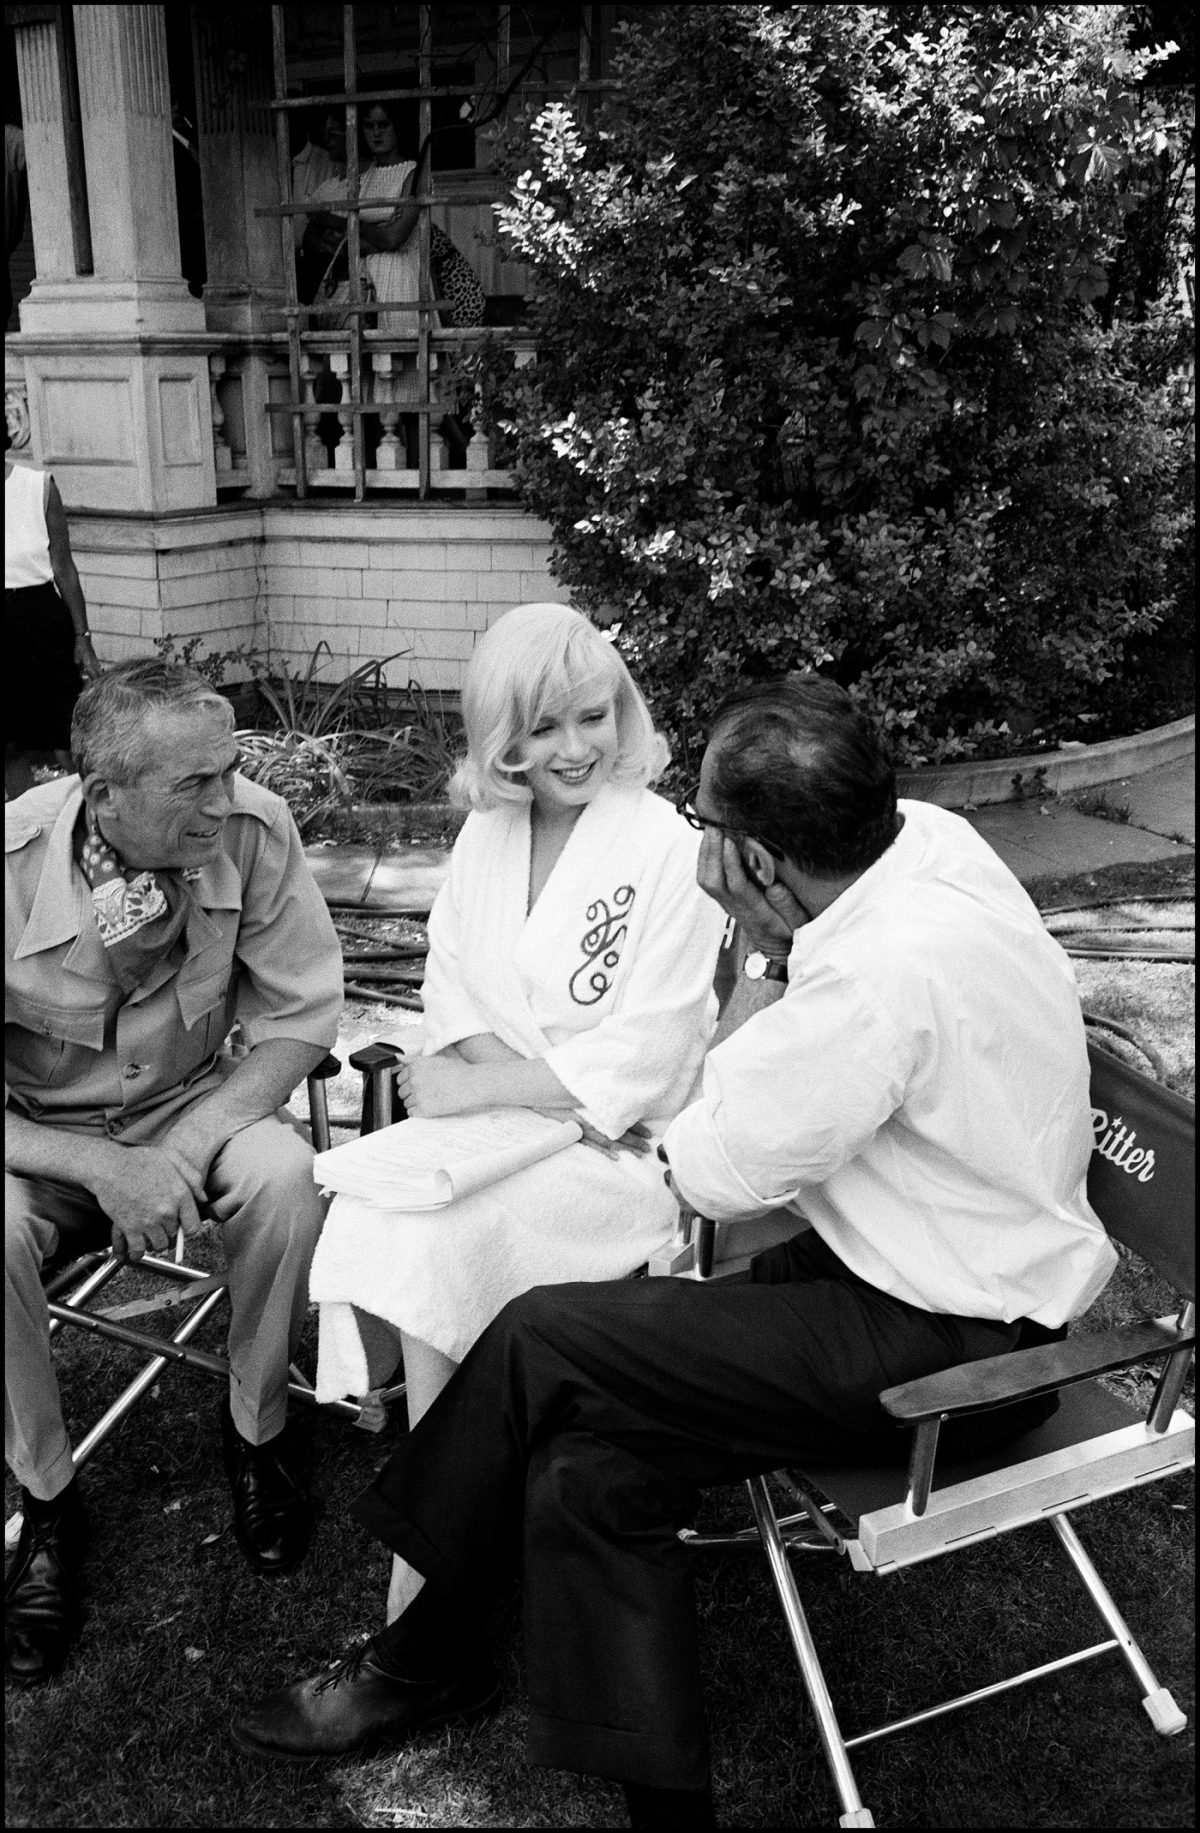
(1142, 1176)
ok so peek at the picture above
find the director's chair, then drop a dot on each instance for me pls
(882, 1519)
(72, 1291)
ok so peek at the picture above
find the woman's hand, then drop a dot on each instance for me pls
(433, 1086)
(635, 1139)
(86, 659)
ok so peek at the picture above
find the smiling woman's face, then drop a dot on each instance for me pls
(569, 755)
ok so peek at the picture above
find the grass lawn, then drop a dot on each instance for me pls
(179, 1635)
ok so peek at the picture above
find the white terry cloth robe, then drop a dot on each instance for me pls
(609, 979)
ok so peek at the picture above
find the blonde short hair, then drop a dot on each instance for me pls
(530, 663)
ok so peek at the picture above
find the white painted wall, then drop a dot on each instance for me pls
(282, 577)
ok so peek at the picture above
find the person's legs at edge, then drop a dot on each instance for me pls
(426, 1372)
(36, 1214)
(42, 1588)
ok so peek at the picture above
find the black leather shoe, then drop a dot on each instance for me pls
(42, 1590)
(272, 1517)
(355, 1708)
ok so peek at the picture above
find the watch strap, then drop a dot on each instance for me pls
(773, 967)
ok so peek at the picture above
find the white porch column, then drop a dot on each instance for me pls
(126, 109)
(115, 360)
(53, 152)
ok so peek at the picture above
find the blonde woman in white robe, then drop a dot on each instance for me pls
(571, 958)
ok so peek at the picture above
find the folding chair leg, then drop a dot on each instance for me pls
(853, 1814)
(107, 1267)
(1157, 1702)
(125, 1402)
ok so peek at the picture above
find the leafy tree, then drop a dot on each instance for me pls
(821, 377)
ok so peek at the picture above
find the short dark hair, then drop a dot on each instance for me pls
(109, 723)
(795, 762)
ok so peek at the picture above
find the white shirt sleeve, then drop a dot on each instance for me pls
(627, 1068)
(789, 1099)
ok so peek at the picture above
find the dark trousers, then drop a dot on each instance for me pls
(575, 1438)
(42, 681)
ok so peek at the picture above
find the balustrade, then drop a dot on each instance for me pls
(245, 382)
(385, 394)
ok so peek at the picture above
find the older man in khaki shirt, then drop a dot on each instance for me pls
(151, 903)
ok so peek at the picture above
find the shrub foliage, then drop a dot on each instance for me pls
(838, 366)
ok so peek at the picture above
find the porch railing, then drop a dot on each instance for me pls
(379, 409)
(375, 413)
(267, 440)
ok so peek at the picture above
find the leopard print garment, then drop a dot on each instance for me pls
(454, 279)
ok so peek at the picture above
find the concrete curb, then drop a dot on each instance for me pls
(991, 780)
(1014, 779)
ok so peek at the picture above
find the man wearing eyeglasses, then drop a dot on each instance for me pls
(910, 1082)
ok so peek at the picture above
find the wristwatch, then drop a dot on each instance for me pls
(758, 966)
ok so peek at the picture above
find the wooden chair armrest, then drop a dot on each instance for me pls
(974, 1387)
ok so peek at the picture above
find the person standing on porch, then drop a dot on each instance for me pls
(48, 647)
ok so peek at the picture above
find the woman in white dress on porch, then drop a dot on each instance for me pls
(571, 957)
(388, 247)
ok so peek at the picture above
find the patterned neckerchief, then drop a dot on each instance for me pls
(140, 915)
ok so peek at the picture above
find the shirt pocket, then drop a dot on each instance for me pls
(204, 1009)
(42, 1038)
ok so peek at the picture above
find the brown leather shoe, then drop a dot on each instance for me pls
(355, 1707)
(42, 1590)
(272, 1517)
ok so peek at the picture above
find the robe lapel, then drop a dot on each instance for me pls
(497, 925)
(577, 930)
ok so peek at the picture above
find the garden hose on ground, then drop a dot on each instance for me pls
(376, 967)
(1096, 1021)
(1158, 927)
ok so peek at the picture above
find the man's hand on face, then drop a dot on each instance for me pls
(769, 917)
(148, 1197)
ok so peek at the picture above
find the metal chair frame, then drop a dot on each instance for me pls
(71, 1291)
(1097, 1445)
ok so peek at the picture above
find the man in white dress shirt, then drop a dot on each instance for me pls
(902, 1066)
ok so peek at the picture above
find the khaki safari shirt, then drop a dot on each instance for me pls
(261, 951)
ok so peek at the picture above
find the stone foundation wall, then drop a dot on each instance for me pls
(279, 578)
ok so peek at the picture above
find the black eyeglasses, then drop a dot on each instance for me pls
(686, 806)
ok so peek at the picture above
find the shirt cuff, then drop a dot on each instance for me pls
(263, 1029)
(703, 1173)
